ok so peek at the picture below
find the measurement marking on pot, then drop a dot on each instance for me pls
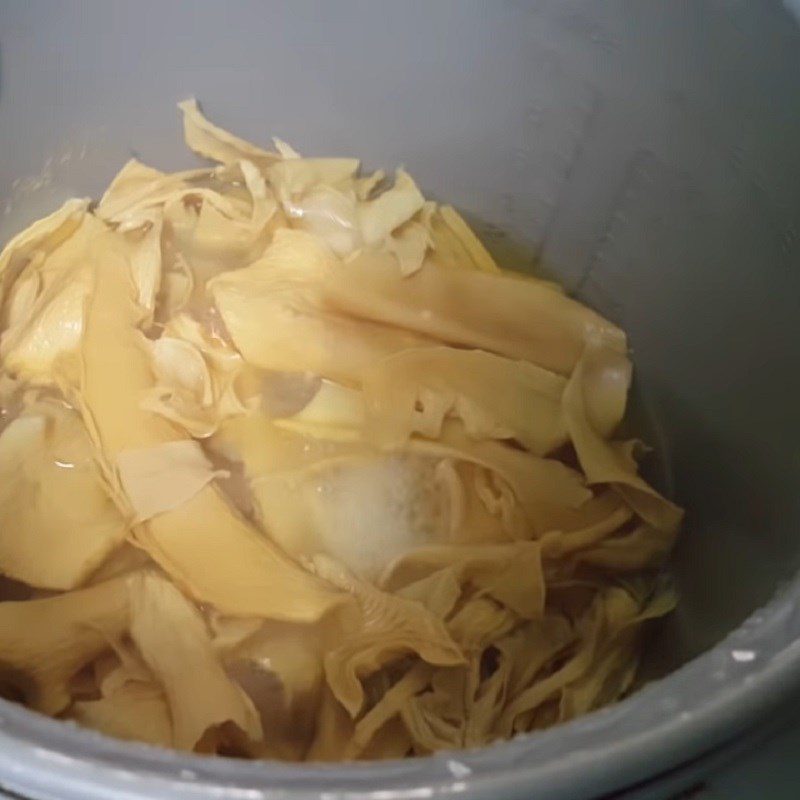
(743, 656)
(458, 770)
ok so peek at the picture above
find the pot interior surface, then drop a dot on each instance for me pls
(645, 154)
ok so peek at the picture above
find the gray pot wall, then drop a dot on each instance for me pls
(646, 153)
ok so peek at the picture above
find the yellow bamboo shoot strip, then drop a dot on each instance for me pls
(507, 314)
(207, 548)
(282, 288)
(43, 643)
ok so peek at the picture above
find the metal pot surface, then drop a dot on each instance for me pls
(645, 153)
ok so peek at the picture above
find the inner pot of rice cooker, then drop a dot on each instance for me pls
(645, 154)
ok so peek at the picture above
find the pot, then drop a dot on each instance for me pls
(645, 154)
